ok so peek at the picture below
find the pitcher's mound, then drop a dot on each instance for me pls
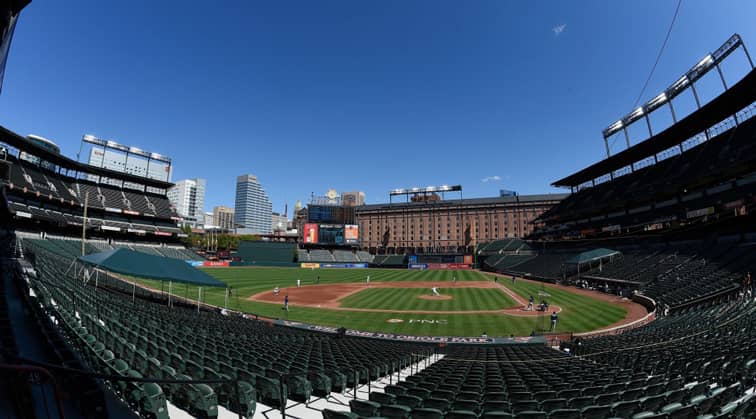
(435, 297)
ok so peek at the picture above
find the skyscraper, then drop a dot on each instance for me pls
(223, 217)
(253, 207)
(353, 199)
(188, 197)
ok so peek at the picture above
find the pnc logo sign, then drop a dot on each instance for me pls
(426, 321)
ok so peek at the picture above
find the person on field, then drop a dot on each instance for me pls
(276, 290)
(286, 302)
(317, 281)
(530, 303)
(367, 281)
(554, 319)
(299, 283)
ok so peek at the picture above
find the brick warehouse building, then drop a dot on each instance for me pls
(448, 225)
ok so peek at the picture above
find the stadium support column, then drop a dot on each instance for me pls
(606, 144)
(698, 106)
(724, 83)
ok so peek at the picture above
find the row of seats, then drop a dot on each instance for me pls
(717, 158)
(274, 363)
(61, 216)
(72, 248)
(694, 363)
(56, 187)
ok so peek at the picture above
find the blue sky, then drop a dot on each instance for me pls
(355, 95)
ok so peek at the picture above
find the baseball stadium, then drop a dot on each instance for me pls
(629, 296)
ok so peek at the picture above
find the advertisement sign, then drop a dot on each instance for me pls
(311, 233)
(448, 266)
(412, 259)
(343, 265)
(216, 263)
(309, 265)
(196, 263)
(351, 234)
(700, 212)
(467, 259)
(420, 266)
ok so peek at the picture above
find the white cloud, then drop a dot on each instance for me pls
(559, 29)
(495, 178)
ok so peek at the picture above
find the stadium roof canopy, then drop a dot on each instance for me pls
(21, 143)
(723, 106)
(141, 265)
(590, 256)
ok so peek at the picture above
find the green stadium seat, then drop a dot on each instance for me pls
(461, 414)
(564, 414)
(596, 412)
(409, 401)
(426, 413)
(532, 414)
(154, 401)
(364, 408)
(333, 414)
(438, 404)
(395, 411)
(497, 415)
(382, 398)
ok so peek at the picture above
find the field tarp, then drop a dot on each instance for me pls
(142, 265)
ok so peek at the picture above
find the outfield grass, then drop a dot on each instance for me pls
(580, 313)
(466, 299)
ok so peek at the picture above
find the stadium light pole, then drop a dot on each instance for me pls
(84, 224)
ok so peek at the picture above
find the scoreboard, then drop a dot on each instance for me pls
(331, 234)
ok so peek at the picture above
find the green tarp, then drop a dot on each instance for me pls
(141, 265)
(590, 256)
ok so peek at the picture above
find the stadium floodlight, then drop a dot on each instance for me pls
(705, 62)
(89, 138)
(612, 129)
(416, 190)
(657, 101)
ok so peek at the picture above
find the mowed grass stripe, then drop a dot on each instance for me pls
(581, 313)
(463, 299)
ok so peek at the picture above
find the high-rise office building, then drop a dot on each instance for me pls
(253, 209)
(353, 199)
(223, 217)
(279, 222)
(188, 197)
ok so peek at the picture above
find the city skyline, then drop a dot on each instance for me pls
(358, 97)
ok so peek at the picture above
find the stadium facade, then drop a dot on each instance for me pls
(449, 225)
(253, 209)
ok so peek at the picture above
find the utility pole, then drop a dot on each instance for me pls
(84, 224)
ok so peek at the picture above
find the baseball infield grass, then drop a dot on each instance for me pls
(579, 313)
(467, 299)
